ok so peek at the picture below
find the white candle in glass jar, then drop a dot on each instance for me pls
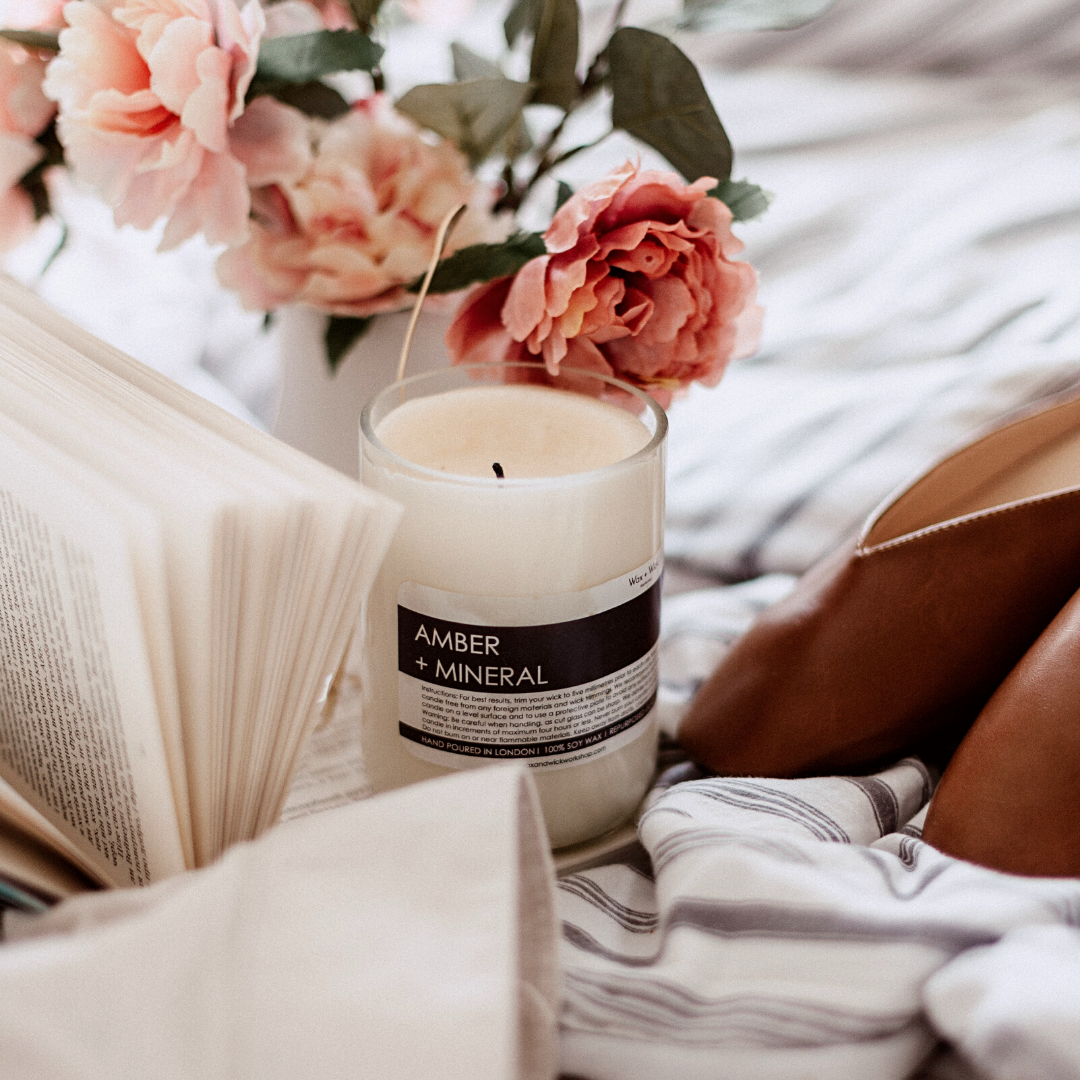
(516, 618)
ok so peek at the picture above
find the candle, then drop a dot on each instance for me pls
(516, 615)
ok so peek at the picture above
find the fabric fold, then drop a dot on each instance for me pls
(788, 932)
(408, 935)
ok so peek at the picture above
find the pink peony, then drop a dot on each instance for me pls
(152, 117)
(24, 113)
(638, 282)
(361, 223)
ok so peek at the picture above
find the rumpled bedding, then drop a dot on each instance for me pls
(800, 928)
(919, 271)
(770, 929)
(919, 268)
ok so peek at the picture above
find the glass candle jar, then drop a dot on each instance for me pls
(516, 616)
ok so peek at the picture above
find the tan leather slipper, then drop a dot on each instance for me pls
(1010, 797)
(907, 633)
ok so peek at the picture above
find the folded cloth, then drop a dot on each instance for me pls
(787, 933)
(1013, 1009)
(409, 935)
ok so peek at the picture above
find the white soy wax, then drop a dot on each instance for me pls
(515, 618)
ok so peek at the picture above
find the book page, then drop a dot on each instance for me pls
(80, 737)
(25, 862)
(300, 583)
(331, 770)
(20, 815)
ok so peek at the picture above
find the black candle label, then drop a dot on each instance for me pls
(550, 680)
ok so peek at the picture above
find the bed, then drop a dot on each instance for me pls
(919, 272)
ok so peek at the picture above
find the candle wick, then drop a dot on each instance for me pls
(498, 470)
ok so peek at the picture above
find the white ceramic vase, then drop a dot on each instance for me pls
(319, 410)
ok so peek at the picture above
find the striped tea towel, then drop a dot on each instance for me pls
(787, 929)
(1013, 1008)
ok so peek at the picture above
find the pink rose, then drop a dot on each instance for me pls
(361, 223)
(152, 117)
(24, 113)
(639, 282)
(24, 109)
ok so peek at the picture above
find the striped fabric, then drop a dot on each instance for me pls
(919, 274)
(918, 270)
(778, 929)
(940, 36)
(768, 929)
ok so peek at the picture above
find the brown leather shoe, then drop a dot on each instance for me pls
(907, 633)
(1010, 798)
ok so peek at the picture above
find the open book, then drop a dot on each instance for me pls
(177, 591)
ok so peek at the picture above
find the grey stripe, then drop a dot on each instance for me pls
(637, 922)
(929, 780)
(772, 921)
(769, 920)
(1000, 324)
(765, 800)
(909, 848)
(657, 1009)
(680, 843)
(909, 857)
(882, 801)
(584, 941)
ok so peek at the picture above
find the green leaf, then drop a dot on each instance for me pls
(562, 194)
(746, 201)
(483, 262)
(60, 245)
(311, 98)
(554, 26)
(342, 332)
(553, 68)
(470, 65)
(302, 58)
(475, 115)
(658, 96)
(364, 12)
(522, 17)
(749, 14)
(33, 39)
